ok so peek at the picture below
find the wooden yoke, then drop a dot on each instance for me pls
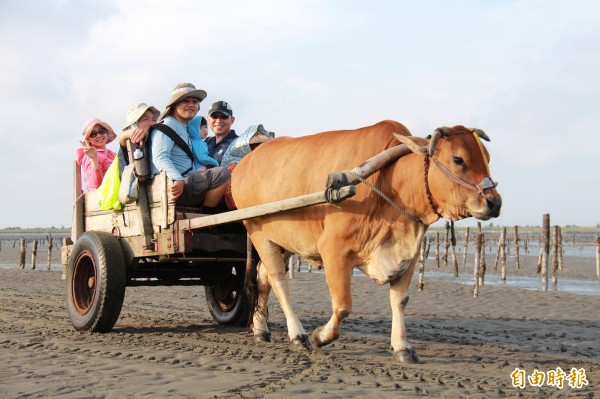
(367, 168)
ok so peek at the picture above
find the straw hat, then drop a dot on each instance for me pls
(88, 126)
(181, 91)
(136, 111)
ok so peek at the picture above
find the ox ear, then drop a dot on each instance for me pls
(415, 144)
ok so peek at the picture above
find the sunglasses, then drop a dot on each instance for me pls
(93, 134)
(192, 101)
(219, 116)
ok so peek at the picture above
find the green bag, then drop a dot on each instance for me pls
(108, 192)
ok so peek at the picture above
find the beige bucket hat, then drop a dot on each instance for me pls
(136, 111)
(181, 91)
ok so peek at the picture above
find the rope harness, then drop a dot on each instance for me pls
(387, 199)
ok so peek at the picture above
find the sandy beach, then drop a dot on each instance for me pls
(165, 343)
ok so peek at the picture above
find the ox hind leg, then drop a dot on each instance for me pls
(260, 314)
(272, 274)
(402, 349)
(338, 273)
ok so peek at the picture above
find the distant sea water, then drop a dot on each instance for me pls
(574, 286)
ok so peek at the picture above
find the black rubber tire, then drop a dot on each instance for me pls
(96, 279)
(227, 302)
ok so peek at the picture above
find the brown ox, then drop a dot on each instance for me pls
(365, 231)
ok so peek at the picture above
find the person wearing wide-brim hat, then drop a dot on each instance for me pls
(94, 157)
(181, 92)
(190, 187)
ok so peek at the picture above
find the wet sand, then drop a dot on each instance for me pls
(165, 343)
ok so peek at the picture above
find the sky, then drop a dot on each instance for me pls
(527, 72)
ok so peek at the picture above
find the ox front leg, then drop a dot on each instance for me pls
(403, 351)
(338, 277)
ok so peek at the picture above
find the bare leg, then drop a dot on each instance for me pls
(213, 197)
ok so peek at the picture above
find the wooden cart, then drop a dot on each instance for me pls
(154, 243)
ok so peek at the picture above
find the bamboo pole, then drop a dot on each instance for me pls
(34, 254)
(545, 250)
(464, 265)
(290, 265)
(476, 265)
(22, 254)
(598, 256)
(49, 251)
(482, 263)
(422, 258)
(302, 201)
(446, 244)
(498, 251)
(517, 264)
(453, 253)
(437, 249)
(503, 255)
(554, 256)
(428, 248)
(560, 249)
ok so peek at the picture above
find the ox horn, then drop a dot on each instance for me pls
(410, 143)
(481, 134)
(439, 132)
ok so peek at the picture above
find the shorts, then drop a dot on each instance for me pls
(198, 184)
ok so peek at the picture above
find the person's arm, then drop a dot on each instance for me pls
(161, 155)
(91, 175)
(136, 135)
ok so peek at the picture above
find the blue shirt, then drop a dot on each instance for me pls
(218, 150)
(168, 156)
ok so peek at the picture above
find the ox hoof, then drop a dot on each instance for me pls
(301, 341)
(408, 355)
(263, 337)
(316, 341)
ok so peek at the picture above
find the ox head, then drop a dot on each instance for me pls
(459, 185)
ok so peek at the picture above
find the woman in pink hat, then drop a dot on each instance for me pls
(94, 157)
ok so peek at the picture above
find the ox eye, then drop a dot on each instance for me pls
(458, 161)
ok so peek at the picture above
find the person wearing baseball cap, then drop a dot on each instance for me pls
(220, 119)
(190, 187)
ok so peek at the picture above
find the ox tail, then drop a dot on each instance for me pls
(250, 281)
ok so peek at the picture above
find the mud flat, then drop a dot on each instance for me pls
(165, 344)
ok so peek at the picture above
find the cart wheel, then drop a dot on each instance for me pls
(95, 282)
(227, 302)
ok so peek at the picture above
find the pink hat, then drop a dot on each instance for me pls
(88, 126)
